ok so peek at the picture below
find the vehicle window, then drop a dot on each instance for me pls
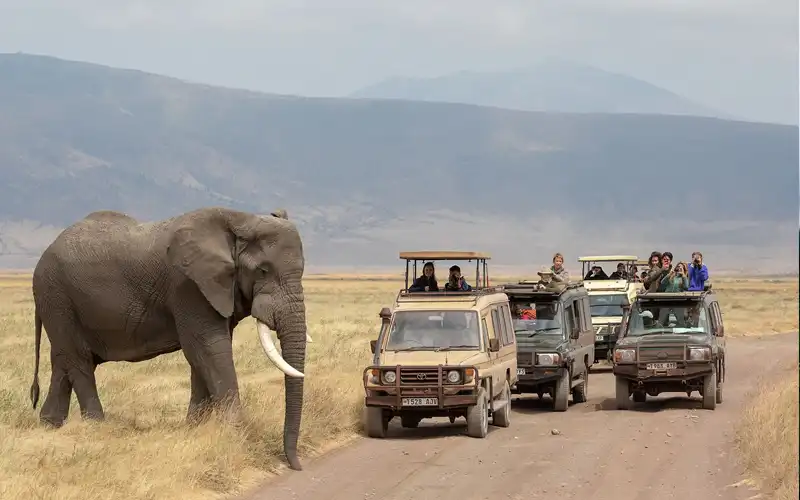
(532, 318)
(499, 327)
(485, 331)
(578, 323)
(569, 317)
(490, 329)
(607, 304)
(508, 327)
(426, 330)
(659, 317)
(587, 313)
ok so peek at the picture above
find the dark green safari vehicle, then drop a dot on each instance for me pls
(555, 341)
(671, 342)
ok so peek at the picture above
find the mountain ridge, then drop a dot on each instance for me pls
(365, 179)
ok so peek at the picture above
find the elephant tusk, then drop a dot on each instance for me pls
(308, 338)
(272, 353)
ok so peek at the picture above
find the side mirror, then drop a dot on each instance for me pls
(372, 345)
(494, 345)
(720, 331)
(385, 315)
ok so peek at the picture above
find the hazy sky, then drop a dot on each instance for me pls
(740, 56)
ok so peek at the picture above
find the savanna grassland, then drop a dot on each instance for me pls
(144, 450)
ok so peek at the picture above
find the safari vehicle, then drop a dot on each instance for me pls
(555, 341)
(671, 342)
(607, 299)
(443, 354)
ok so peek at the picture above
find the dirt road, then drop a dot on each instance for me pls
(667, 448)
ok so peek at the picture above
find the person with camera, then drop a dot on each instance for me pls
(652, 282)
(698, 273)
(456, 282)
(676, 280)
(560, 273)
(426, 282)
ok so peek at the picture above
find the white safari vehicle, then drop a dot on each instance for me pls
(609, 297)
(443, 353)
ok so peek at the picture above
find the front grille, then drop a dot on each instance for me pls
(651, 353)
(525, 358)
(419, 376)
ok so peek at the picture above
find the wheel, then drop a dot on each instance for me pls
(580, 393)
(639, 397)
(478, 417)
(410, 421)
(502, 417)
(719, 393)
(561, 396)
(623, 395)
(376, 422)
(710, 390)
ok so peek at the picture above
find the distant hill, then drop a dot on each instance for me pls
(551, 85)
(365, 179)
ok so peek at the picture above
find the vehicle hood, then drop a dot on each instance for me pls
(662, 339)
(539, 343)
(432, 358)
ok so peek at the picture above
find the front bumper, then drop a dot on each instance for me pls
(436, 395)
(684, 370)
(532, 376)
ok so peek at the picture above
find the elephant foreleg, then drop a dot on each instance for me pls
(200, 401)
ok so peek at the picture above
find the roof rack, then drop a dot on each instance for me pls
(527, 287)
(672, 295)
(442, 296)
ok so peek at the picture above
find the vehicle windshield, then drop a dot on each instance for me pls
(536, 318)
(607, 304)
(434, 330)
(657, 317)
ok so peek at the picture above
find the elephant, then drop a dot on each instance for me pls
(109, 288)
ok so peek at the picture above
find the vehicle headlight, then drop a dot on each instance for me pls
(454, 376)
(699, 353)
(625, 356)
(469, 375)
(389, 377)
(374, 377)
(547, 359)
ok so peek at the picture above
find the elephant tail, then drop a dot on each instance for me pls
(38, 341)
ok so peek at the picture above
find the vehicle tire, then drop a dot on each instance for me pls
(376, 422)
(561, 395)
(478, 417)
(502, 418)
(639, 397)
(580, 393)
(719, 388)
(623, 396)
(710, 390)
(410, 421)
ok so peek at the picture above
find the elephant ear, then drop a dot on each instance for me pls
(202, 249)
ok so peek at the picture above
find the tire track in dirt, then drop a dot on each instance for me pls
(668, 448)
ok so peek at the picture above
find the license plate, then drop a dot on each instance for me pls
(420, 401)
(520, 371)
(599, 338)
(661, 366)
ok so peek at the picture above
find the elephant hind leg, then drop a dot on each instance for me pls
(56, 405)
(85, 386)
(200, 401)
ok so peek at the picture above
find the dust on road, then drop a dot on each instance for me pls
(667, 448)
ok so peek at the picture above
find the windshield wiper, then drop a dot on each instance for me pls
(455, 347)
(534, 332)
(412, 348)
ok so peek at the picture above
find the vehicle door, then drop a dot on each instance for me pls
(490, 368)
(580, 337)
(718, 332)
(507, 356)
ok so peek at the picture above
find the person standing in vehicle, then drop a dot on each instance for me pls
(698, 273)
(560, 273)
(426, 282)
(653, 279)
(456, 282)
(677, 280)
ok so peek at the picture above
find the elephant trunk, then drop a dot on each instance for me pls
(293, 345)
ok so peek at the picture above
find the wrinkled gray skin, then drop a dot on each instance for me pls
(111, 289)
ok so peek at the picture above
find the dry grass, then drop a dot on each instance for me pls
(145, 451)
(767, 435)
